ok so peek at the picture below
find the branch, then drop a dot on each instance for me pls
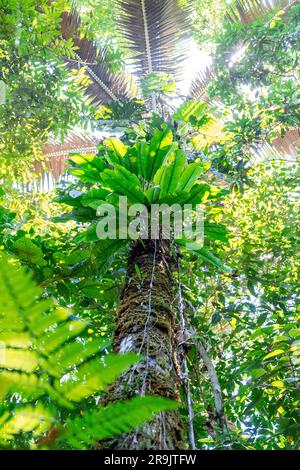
(185, 370)
(216, 387)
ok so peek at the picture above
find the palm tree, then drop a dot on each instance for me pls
(150, 318)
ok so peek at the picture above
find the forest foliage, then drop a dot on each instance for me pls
(60, 285)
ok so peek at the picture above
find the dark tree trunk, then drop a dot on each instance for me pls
(146, 325)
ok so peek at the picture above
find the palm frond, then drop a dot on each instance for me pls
(289, 144)
(155, 32)
(75, 142)
(198, 89)
(269, 152)
(247, 11)
(106, 86)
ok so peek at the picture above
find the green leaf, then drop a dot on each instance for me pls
(36, 419)
(107, 250)
(94, 198)
(49, 345)
(159, 147)
(216, 318)
(257, 373)
(169, 174)
(294, 333)
(120, 154)
(82, 214)
(206, 440)
(215, 231)
(190, 108)
(275, 353)
(117, 150)
(197, 195)
(94, 376)
(19, 359)
(29, 251)
(207, 256)
(278, 384)
(88, 167)
(124, 183)
(75, 353)
(70, 199)
(52, 339)
(190, 175)
(6, 217)
(141, 152)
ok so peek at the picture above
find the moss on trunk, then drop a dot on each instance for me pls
(146, 325)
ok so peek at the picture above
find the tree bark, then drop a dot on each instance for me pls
(146, 324)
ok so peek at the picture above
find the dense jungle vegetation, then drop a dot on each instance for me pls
(140, 343)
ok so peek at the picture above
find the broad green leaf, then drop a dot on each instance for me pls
(70, 199)
(80, 214)
(208, 257)
(117, 147)
(275, 353)
(117, 151)
(107, 250)
(124, 183)
(88, 168)
(190, 175)
(159, 146)
(215, 231)
(94, 198)
(170, 174)
(141, 152)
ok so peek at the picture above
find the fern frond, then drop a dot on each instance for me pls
(45, 351)
(93, 376)
(35, 419)
(115, 419)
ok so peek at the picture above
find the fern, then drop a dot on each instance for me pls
(117, 418)
(43, 344)
(47, 354)
(29, 418)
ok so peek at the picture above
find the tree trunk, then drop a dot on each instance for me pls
(146, 325)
